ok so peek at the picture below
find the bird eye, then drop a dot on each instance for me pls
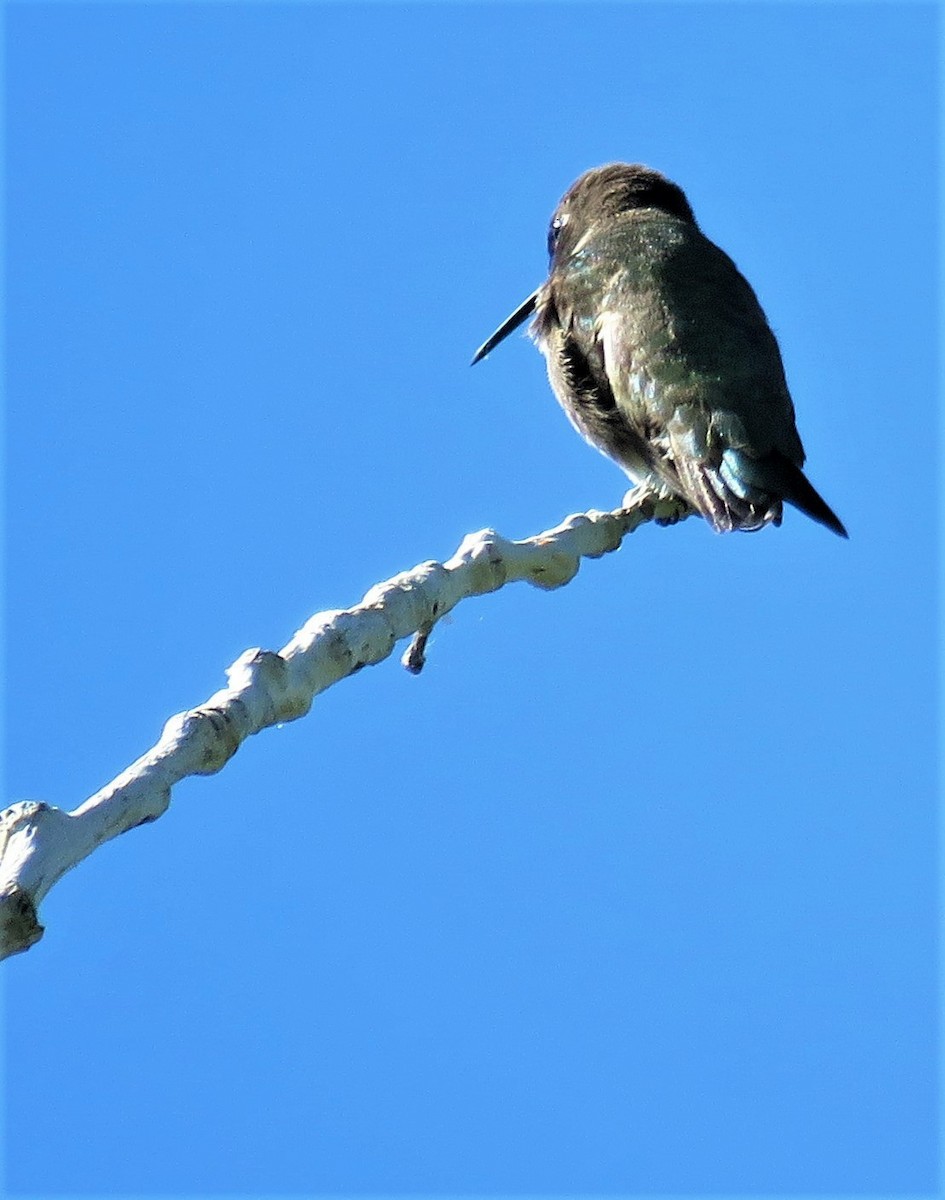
(554, 230)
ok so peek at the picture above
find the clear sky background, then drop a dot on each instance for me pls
(634, 889)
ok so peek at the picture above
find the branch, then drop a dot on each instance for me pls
(40, 843)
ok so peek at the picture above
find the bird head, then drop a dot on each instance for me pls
(599, 195)
(607, 192)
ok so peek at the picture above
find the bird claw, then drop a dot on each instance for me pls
(671, 512)
(667, 510)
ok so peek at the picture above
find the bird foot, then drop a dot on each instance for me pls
(671, 511)
(667, 510)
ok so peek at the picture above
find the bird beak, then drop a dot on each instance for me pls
(522, 313)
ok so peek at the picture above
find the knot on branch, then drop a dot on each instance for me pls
(409, 600)
(484, 555)
(208, 736)
(262, 681)
(20, 817)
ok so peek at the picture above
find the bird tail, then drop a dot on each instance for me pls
(788, 478)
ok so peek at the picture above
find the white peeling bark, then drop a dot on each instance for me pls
(39, 843)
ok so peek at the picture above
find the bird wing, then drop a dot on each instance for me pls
(686, 345)
(680, 361)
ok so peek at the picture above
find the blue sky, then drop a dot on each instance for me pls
(633, 890)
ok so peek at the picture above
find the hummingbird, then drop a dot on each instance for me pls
(661, 356)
